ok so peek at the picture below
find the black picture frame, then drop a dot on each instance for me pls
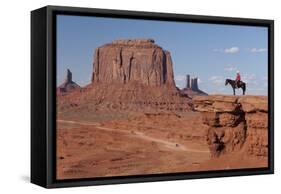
(43, 99)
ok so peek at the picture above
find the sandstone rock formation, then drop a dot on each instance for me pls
(68, 85)
(139, 60)
(192, 88)
(129, 75)
(235, 123)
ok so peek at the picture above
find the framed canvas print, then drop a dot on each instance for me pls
(125, 96)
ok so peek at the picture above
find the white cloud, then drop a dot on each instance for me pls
(215, 77)
(180, 77)
(258, 50)
(230, 50)
(180, 81)
(264, 78)
(230, 68)
(218, 50)
(217, 80)
(249, 79)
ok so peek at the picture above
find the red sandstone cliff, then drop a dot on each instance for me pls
(236, 124)
(133, 75)
(139, 60)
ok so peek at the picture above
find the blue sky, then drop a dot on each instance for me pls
(208, 51)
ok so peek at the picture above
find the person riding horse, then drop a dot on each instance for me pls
(237, 83)
(238, 79)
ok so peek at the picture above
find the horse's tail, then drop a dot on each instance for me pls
(244, 87)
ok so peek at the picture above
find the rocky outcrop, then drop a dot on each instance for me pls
(125, 98)
(129, 75)
(192, 88)
(68, 85)
(235, 123)
(133, 61)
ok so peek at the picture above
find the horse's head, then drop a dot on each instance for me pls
(226, 81)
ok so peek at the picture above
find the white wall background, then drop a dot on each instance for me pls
(15, 94)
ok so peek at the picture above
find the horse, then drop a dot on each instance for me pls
(240, 84)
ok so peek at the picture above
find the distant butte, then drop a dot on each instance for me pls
(192, 88)
(132, 75)
(133, 61)
(68, 85)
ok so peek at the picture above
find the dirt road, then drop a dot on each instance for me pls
(136, 134)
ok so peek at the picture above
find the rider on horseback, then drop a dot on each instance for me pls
(238, 79)
(237, 83)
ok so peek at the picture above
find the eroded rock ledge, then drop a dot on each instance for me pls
(236, 123)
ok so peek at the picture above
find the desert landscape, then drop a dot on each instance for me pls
(133, 120)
